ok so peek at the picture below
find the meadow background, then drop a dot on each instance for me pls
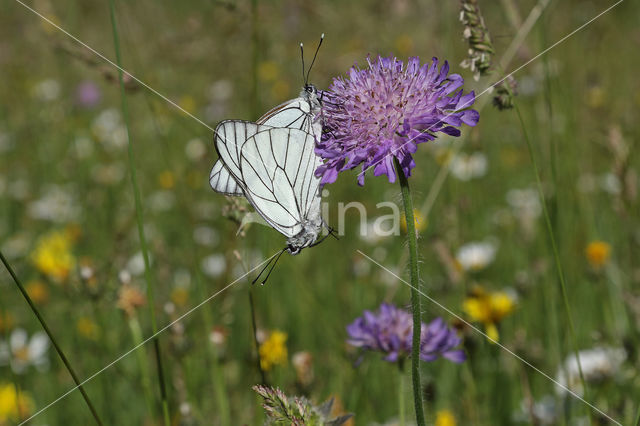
(68, 219)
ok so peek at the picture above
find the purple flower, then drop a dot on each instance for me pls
(385, 111)
(390, 331)
(87, 94)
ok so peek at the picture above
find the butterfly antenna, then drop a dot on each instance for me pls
(314, 59)
(266, 266)
(262, 271)
(333, 233)
(302, 56)
(273, 266)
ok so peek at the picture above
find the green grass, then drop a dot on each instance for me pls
(572, 100)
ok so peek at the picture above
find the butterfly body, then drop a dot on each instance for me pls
(272, 163)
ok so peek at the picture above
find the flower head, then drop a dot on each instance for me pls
(475, 256)
(52, 255)
(20, 352)
(598, 253)
(130, 299)
(14, 405)
(598, 364)
(489, 308)
(273, 351)
(445, 418)
(390, 331)
(385, 111)
(87, 94)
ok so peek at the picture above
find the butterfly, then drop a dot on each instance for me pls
(272, 163)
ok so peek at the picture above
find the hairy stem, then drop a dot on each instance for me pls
(415, 296)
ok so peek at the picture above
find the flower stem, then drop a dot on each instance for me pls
(263, 376)
(64, 359)
(401, 393)
(415, 296)
(554, 247)
(140, 221)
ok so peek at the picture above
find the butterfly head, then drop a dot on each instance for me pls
(311, 229)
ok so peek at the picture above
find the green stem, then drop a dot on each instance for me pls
(554, 247)
(415, 296)
(255, 56)
(401, 413)
(136, 333)
(263, 376)
(63, 357)
(140, 221)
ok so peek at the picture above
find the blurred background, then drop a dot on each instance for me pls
(68, 217)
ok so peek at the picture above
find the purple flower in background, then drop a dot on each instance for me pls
(87, 94)
(390, 329)
(384, 111)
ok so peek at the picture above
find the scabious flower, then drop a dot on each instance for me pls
(390, 331)
(489, 308)
(87, 94)
(273, 351)
(385, 111)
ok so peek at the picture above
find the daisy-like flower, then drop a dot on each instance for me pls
(390, 330)
(20, 352)
(598, 364)
(475, 256)
(384, 111)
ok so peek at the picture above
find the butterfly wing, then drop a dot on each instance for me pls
(295, 113)
(277, 170)
(229, 137)
(221, 180)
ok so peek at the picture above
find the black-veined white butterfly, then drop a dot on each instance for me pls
(272, 163)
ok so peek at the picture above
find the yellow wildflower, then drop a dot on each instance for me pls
(180, 296)
(87, 328)
(598, 253)
(37, 291)
(489, 308)
(14, 406)
(419, 220)
(445, 418)
(166, 180)
(273, 351)
(52, 255)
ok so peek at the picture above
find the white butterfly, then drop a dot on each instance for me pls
(272, 163)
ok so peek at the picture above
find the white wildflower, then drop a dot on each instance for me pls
(475, 256)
